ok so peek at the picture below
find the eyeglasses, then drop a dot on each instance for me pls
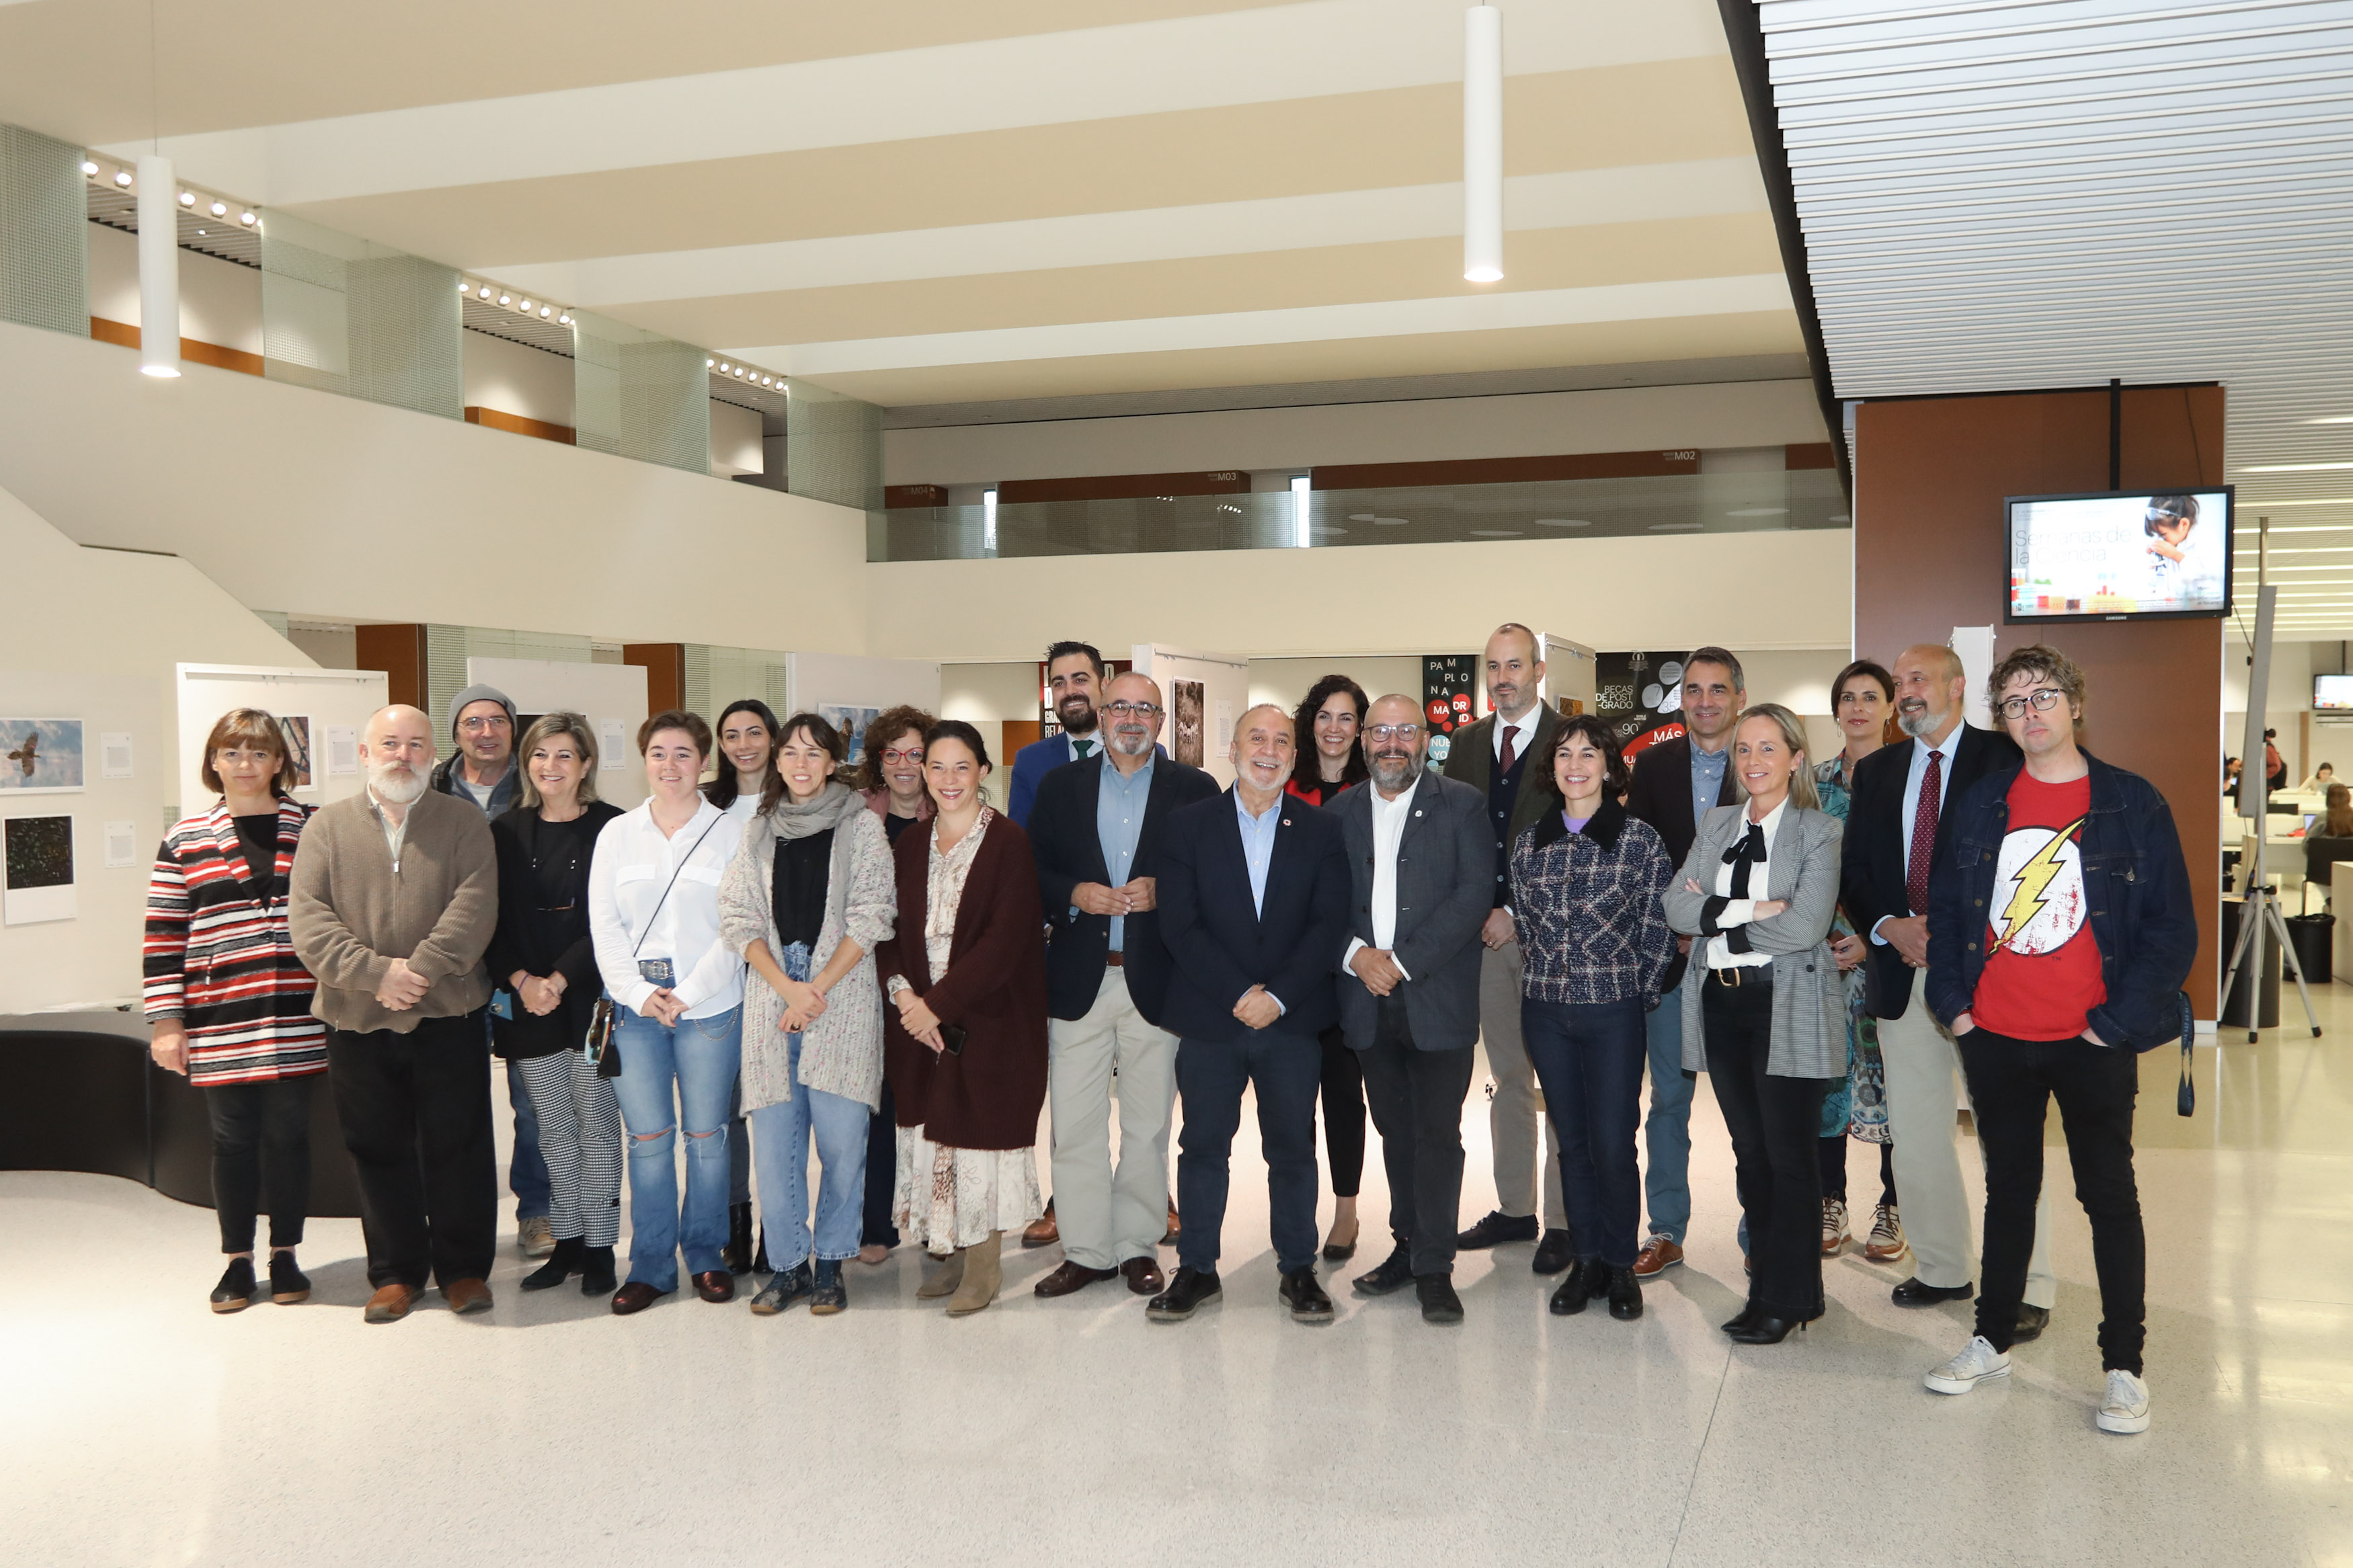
(911, 754)
(477, 724)
(1127, 709)
(2044, 699)
(1393, 731)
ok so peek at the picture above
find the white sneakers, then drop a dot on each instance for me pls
(2125, 1408)
(1834, 1231)
(1978, 1361)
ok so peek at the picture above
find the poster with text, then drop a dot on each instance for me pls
(1640, 697)
(1449, 683)
(42, 756)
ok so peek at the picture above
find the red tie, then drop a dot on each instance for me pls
(1509, 730)
(1923, 834)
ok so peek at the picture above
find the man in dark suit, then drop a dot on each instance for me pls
(1095, 832)
(1074, 672)
(1674, 783)
(1255, 908)
(1896, 826)
(1420, 857)
(1494, 757)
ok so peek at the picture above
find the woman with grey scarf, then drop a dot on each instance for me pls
(805, 901)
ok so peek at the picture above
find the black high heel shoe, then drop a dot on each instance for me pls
(1747, 1315)
(1764, 1329)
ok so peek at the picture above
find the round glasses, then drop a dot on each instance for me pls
(2044, 699)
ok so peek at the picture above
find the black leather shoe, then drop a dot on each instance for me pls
(1912, 1293)
(1625, 1294)
(1190, 1290)
(1496, 1227)
(1748, 1314)
(1764, 1330)
(1440, 1304)
(2031, 1322)
(235, 1291)
(1556, 1251)
(596, 1271)
(1585, 1281)
(737, 1254)
(1305, 1297)
(289, 1286)
(561, 1265)
(1392, 1273)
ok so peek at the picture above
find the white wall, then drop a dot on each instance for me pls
(301, 500)
(1632, 419)
(517, 379)
(330, 699)
(735, 446)
(612, 697)
(1284, 682)
(220, 302)
(989, 692)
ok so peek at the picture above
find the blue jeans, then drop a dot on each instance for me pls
(782, 1133)
(1211, 1075)
(1666, 1131)
(526, 1168)
(1590, 1057)
(669, 1074)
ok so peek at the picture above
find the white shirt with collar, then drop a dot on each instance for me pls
(633, 865)
(1525, 726)
(1740, 911)
(1915, 775)
(1389, 832)
(396, 833)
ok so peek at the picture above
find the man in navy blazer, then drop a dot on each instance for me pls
(1075, 676)
(1095, 832)
(1253, 895)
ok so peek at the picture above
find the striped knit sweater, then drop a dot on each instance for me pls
(223, 960)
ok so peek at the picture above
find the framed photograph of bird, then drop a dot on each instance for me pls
(40, 756)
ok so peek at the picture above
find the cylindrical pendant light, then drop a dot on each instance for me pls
(1482, 144)
(159, 269)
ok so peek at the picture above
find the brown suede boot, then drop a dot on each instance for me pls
(984, 1272)
(945, 1278)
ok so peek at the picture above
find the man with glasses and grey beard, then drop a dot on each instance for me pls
(1897, 827)
(392, 901)
(1094, 830)
(1421, 860)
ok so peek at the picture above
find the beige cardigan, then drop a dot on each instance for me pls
(841, 1052)
(351, 913)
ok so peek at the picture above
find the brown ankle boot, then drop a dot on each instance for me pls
(984, 1272)
(945, 1278)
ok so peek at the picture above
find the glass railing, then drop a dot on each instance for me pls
(1559, 509)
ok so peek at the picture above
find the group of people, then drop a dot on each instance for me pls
(903, 976)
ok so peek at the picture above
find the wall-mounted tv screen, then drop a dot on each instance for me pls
(2119, 555)
(2332, 691)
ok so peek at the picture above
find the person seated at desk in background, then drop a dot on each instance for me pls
(2322, 778)
(2330, 839)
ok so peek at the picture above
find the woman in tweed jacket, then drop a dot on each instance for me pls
(1586, 881)
(230, 1004)
(808, 899)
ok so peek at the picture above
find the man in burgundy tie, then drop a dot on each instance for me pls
(1895, 826)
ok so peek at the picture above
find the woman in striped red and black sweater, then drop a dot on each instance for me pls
(230, 1004)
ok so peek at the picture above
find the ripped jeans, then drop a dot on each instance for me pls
(673, 1073)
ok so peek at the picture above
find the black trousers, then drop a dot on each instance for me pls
(262, 1137)
(1344, 1113)
(1416, 1097)
(1774, 1124)
(2011, 1085)
(415, 1110)
(881, 1173)
(1832, 1150)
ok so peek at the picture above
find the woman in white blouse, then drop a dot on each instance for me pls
(653, 909)
(1767, 1021)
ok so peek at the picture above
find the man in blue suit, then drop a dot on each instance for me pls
(1254, 893)
(1074, 673)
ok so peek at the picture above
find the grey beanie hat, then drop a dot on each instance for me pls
(472, 694)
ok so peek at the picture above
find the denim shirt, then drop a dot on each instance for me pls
(2134, 878)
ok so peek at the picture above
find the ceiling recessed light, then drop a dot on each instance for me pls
(88, 168)
(200, 233)
(506, 298)
(526, 306)
(1392, 522)
(2324, 419)
(1677, 527)
(1563, 522)
(564, 320)
(484, 293)
(1360, 517)
(220, 209)
(724, 368)
(122, 176)
(1759, 511)
(1495, 533)
(545, 311)
(710, 364)
(187, 198)
(247, 218)
(2294, 467)
(464, 286)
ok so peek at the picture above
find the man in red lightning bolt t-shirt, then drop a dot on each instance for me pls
(2042, 969)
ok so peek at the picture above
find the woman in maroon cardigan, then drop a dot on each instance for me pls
(965, 1042)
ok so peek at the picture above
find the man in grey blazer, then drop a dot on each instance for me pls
(1419, 860)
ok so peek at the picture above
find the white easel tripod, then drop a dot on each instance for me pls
(2261, 910)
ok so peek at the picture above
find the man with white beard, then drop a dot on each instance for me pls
(391, 901)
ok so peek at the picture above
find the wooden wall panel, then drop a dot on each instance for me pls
(1504, 470)
(1930, 478)
(1122, 487)
(398, 651)
(665, 667)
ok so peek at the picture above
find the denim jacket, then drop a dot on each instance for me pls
(2134, 877)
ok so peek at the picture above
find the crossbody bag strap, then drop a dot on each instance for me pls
(669, 885)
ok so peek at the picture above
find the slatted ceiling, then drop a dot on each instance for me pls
(2050, 193)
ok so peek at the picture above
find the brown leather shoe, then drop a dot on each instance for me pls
(390, 1304)
(467, 1296)
(634, 1296)
(1143, 1276)
(1176, 1226)
(1071, 1278)
(1042, 1231)
(715, 1287)
(1659, 1253)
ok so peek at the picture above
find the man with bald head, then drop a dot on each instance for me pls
(1253, 895)
(391, 901)
(1896, 828)
(1095, 829)
(1420, 857)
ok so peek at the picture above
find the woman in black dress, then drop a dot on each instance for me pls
(1332, 759)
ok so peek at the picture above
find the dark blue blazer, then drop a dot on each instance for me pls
(1221, 946)
(1069, 850)
(1031, 764)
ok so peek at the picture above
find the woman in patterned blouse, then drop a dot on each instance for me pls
(1586, 881)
